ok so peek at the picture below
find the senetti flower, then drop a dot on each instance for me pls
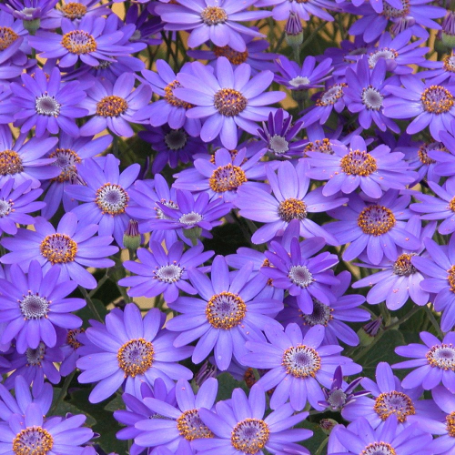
(223, 174)
(347, 169)
(163, 273)
(428, 104)
(34, 304)
(131, 350)
(68, 247)
(84, 41)
(227, 99)
(227, 313)
(12, 34)
(239, 427)
(377, 227)
(297, 364)
(434, 363)
(105, 196)
(28, 10)
(113, 105)
(47, 104)
(214, 21)
(290, 200)
(283, 8)
(389, 399)
(68, 155)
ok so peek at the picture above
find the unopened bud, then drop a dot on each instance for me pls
(131, 237)
(369, 331)
(448, 30)
(207, 371)
(293, 31)
(327, 425)
(32, 26)
(193, 234)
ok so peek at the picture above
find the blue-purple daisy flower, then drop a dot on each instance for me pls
(304, 10)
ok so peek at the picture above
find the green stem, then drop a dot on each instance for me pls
(404, 318)
(434, 322)
(322, 446)
(63, 392)
(313, 35)
(90, 304)
(98, 287)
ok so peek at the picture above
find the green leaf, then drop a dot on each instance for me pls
(226, 384)
(64, 407)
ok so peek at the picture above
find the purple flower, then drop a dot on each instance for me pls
(290, 201)
(105, 196)
(219, 24)
(68, 155)
(28, 10)
(48, 104)
(439, 270)
(389, 398)
(298, 365)
(340, 308)
(163, 273)
(222, 175)
(389, 439)
(239, 426)
(428, 104)
(227, 99)
(69, 247)
(34, 304)
(435, 362)
(35, 434)
(303, 274)
(227, 313)
(170, 109)
(283, 8)
(373, 171)
(84, 41)
(72, 349)
(399, 279)
(12, 33)
(178, 422)
(24, 161)
(114, 105)
(131, 350)
(377, 227)
(294, 77)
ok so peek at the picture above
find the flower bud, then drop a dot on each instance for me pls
(293, 31)
(131, 237)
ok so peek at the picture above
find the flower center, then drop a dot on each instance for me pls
(379, 448)
(358, 162)
(191, 427)
(372, 98)
(385, 53)
(74, 10)
(403, 266)
(214, 15)
(321, 314)
(437, 99)
(71, 338)
(331, 95)
(451, 278)
(235, 57)
(135, 357)
(172, 99)
(35, 356)
(450, 424)
(6, 207)
(112, 199)
(159, 213)
(396, 403)
(10, 163)
(176, 139)
(111, 106)
(33, 441)
(429, 147)
(300, 276)
(190, 218)
(292, 209)
(394, 13)
(323, 146)
(442, 356)
(449, 63)
(225, 310)
(47, 105)
(79, 42)
(58, 248)
(278, 144)
(229, 102)
(301, 361)
(299, 81)
(376, 220)
(33, 306)
(169, 273)
(250, 436)
(66, 160)
(337, 398)
(7, 37)
(227, 178)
